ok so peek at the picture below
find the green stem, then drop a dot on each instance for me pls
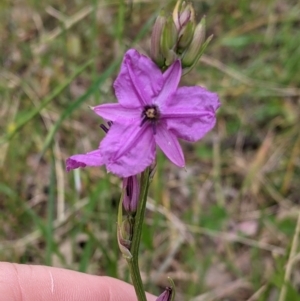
(133, 262)
(136, 279)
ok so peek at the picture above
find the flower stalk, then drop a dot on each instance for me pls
(133, 259)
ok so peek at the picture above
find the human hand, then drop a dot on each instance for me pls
(20, 282)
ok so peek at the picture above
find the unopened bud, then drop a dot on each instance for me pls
(176, 13)
(124, 232)
(195, 50)
(169, 293)
(126, 229)
(166, 295)
(183, 18)
(124, 245)
(182, 14)
(131, 192)
(186, 37)
(169, 38)
(156, 39)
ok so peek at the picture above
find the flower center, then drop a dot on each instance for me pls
(150, 113)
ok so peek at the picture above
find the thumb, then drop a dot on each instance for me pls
(40, 283)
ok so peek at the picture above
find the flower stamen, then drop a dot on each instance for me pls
(106, 128)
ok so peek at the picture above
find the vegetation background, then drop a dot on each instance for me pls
(227, 227)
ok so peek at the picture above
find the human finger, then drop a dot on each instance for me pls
(20, 282)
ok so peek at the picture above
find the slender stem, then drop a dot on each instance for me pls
(136, 279)
(133, 262)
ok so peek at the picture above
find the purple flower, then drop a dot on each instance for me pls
(151, 111)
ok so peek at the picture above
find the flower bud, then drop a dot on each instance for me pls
(182, 14)
(186, 37)
(124, 244)
(156, 38)
(166, 295)
(131, 192)
(196, 48)
(124, 232)
(169, 39)
(169, 293)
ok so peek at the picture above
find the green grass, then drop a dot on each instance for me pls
(226, 227)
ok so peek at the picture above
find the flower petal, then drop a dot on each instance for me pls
(93, 158)
(115, 112)
(171, 78)
(128, 149)
(139, 80)
(191, 112)
(169, 144)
